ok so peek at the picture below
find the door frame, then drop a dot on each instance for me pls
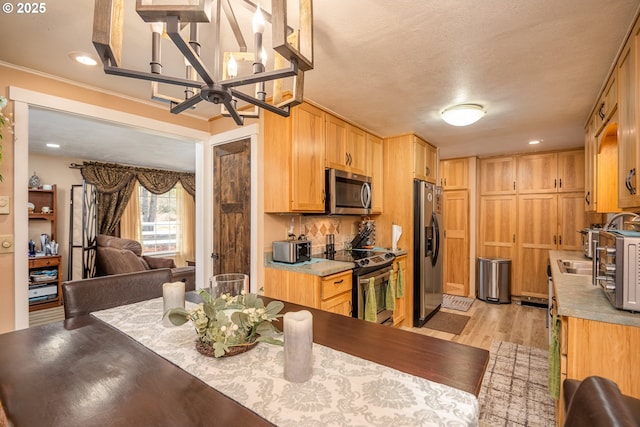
(23, 99)
(247, 132)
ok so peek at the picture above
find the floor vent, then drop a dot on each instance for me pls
(538, 304)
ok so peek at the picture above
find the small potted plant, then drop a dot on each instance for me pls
(229, 325)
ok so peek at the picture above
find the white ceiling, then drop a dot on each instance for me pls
(390, 66)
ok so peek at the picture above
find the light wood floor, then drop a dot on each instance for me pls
(504, 322)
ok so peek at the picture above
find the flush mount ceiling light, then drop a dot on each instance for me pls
(535, 141)
(463, 114)
(293, 52)
(83, 58)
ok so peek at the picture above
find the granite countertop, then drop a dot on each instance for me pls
(577, 297)
(319, 266)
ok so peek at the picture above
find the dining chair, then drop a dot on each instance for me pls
(99, 293)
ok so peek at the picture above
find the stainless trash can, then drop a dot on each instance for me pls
(493, 280)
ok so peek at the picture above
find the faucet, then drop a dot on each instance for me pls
(618, 215)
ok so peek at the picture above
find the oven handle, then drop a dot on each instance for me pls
(379, 278)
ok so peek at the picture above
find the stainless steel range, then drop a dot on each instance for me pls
(369, 264)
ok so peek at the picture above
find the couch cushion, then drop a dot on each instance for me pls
(116, 261)
(157, 262)
(120, 243)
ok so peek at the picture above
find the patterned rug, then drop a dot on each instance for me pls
(514, 389)
(455, 302)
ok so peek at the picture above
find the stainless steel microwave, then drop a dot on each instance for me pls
(347, 193)
(617, 268)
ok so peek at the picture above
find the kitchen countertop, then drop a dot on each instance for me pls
(577, 297)
(319, 266)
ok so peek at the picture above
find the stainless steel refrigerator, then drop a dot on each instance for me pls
(428, 244)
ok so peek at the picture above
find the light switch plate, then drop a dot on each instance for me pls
(6, 243)
(4, 205)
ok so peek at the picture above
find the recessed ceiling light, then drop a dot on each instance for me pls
(463, 114)
(535, 141)
(52, 145)
(83, 58)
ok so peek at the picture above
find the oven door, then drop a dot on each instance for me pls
(381, 287)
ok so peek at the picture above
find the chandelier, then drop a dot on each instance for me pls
(293, 53)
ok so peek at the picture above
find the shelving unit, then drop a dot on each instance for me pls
(45, 271)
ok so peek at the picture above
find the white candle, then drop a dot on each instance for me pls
(298, 346)
(172, 297)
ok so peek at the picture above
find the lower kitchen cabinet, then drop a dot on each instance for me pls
(331, 293)
(400, 311)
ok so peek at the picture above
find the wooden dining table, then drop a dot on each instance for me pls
(83, 372)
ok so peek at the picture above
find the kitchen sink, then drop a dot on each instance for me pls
(575, 267)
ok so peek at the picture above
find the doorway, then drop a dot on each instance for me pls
(232, 207)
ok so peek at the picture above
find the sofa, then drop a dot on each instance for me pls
(116, 255)
(598, 402)
(100, 293)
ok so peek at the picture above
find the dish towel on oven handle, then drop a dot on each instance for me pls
(400, 282)
(554, 359)
(370, 305)
(390, 302)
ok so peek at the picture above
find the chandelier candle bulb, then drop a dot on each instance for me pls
(172, 297)
(298, 346)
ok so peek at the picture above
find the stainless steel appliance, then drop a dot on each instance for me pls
(369, 264)
(347, 193)
(616, 268)
(589, 236)
(291, 251)
(427, 251)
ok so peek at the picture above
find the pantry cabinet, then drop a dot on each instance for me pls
(294, 160)
(330, 293)
(456, 242)
(497, 227)
(497, 176)
(454, 174)
(551, 172)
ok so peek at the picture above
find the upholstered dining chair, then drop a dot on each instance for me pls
(99, 293)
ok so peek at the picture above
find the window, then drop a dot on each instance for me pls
(159, 222)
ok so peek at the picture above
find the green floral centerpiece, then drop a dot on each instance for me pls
(229, 325)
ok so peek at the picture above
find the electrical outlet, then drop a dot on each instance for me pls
(4, 205)
(6, 243)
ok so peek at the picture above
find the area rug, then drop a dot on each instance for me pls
(514, 390)
(455, 302)
(447, 322)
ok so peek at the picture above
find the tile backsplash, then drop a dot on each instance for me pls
(316, 228)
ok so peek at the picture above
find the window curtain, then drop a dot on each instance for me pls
(186, 214)
(115, 184)
(130, 226)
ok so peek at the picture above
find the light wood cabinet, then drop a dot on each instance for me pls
(456, 242)
(375, 169)
(497, 176)
(345, 146)
(590, 167)
(331, 293)
(545, 222)
(294, 160)
(607, 104)
(399, 314)
(628, 125)
(551, 172)
(454, 174)
(497, 227)
(425, 158)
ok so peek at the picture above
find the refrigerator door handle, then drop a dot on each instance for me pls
(436, 237)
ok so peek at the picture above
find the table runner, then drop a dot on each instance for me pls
(344, 391)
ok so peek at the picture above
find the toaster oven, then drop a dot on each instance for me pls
(616, 266)
(291, 251)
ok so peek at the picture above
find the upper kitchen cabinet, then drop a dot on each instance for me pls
(627, 68)
(294, 160)
(345, 146)
(551, 172)
(454, 174)
(607, 104)
(375, 171)
(590, 167)
(425, 158)
(497, 176)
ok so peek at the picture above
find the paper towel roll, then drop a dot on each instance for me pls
(396, 232)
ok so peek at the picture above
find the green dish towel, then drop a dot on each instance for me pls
(370, 305)
(390, 303)
(554, 359)
(400, 282)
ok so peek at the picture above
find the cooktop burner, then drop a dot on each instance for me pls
(365, 257)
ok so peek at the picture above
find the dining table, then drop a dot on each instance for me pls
(93, 371)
